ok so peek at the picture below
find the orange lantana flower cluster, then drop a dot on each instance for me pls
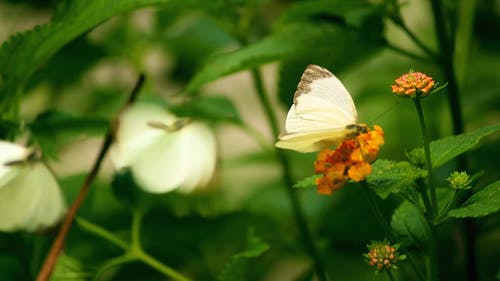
(412, 84)
(350, 160)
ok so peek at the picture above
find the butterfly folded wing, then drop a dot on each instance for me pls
(321, 113)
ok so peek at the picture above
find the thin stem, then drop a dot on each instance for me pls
(385, 225)
(389, 273)
(58, 243)
(398, 20)
(161, 267)
(101, 232)
(428, 163)
(299, 216)
(112, 263)
(446, 59)
(407, 53)
(376, 210)
(432, 273)
(432, 243)
(137, 215)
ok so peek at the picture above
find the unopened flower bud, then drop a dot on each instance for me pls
(459, 180)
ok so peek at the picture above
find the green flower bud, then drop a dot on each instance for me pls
(459, 180)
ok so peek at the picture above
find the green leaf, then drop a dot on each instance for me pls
(409, 224)
(289, 42)
(393, 177)
(50, 129)
(68, 268)
(235, 268)
(445, 149)
(21, 56)
(480, 204)
(307, 182)
(214, 108)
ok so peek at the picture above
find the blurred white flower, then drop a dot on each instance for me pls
(30, 197)
(164, 152)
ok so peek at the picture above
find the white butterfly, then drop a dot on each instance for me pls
(323, 113)
(164, 152)
(30, 197)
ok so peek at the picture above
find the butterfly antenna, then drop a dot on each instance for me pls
(389, 109)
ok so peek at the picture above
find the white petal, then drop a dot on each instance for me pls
(160, 168)
(10, 152)
(201, 153)
(135, 133)
(51, 206)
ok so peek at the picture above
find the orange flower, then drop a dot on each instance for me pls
(412, 84)
(350, 160)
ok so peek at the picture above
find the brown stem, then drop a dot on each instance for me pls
(58, 244)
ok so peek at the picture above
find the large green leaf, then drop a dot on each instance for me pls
(393, 177)
(482, 203)
(235, 268)
(445, 149)
(288, 42)
(25, 52)
(409, 224)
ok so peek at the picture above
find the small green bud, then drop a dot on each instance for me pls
(459, 180)
(416, 156)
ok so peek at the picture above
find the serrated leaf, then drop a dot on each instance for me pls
(445, 149)
(307, 182)
(289, 42)
(392, 177)
(235, 268)
(480, 204)
(23, 53)
(409, 224)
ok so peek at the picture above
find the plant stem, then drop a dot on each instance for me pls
(376, 210)
(446, 59)
(398, 20)
(299, 216)
(428, 163)
(432, 243)
(58, 243)
(101, 232)
(433, 259)
(159, 266)
(389, 273)
(137, 215)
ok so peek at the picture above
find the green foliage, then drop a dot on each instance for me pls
(482, 203)
(409, 225)
(445, 149)
(52, 129)
(24, 53)
(393, 177)
(212, 108)
(236, 267)
(307, 182)
(68, 268)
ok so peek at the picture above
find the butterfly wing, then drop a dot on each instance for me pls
(321, 111)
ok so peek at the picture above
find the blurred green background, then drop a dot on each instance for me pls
(172, 44)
